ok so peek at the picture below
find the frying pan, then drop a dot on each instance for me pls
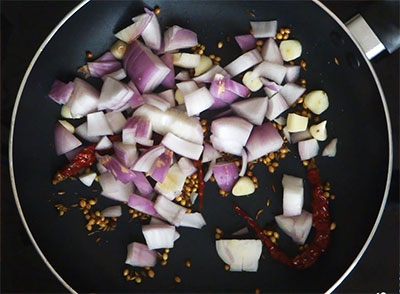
(359, 174)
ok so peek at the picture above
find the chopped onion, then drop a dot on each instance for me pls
(112, 211)
(272, 71)
(271, 88)
(187, 167)
(208, 76)
(108, 56)
(97, 124)
(182, 147)
(300, 136)
(198, 101)
(136, 100)
(173, 121)
(147, 159)
(168, 95)
(263, 140)
(240, 232)
(140, 255)
(142, 184)
(243, 62)
(170, 211)
(119, 171)
(64, 140)
(218, 104)
(116, 120)
(115, 189)
(157, 101)
(173, 183)
(161, 166)
(264, 29)
(117, 75)
(100, 168)
(82, 132)
(297, 227)
(209, 172)
(246, 42)
(291, 92)
(151, 34)
(83, 99)
(240, 255)
(61, 92)
(193, 197)
(209, 153)
(252, 109)
(87, 179)
(280, 120)
(104, 144)
(132, 32)
(178, 38)
(330, 149)
(135, 128)
(159, 236)
(99, 69)
(193, 220)
(271, 53)
(143, 67)
(244, 163)
(142, 204)
(186, 60)
(114, 94)
(276, 105)
(187, 87)
(308, 149)
(126, 153)
(183, 76)
(293, 195)
(225, 145)
(226, 174)
(169, 81)
(287, 134)
(293, 73)
(227, 90)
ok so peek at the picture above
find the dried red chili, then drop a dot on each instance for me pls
(321, 222)
(198, 165)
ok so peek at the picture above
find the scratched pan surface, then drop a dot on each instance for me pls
(358, 174)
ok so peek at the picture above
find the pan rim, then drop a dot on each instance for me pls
(83, 3)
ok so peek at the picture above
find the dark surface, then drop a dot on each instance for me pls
(19, 259)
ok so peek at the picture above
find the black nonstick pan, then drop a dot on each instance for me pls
(359, 174)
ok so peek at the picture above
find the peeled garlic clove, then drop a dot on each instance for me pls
(244, 186)
(296, 123)
(252, 81)
(204, 65)
(317, 101)
(186, 60)
(67, 125)
(66, 112)
(290, 49)
(319, 131)
(179, 97)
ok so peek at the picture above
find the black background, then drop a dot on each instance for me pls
(25, 24)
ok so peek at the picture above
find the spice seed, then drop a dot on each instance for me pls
(279, 36)
(166, 250)
(276, 235)
(165, 256)
(257, 291)
(269, 233)
(268, 203)
(164, 263)
(82, 203)
(151, 274)
(271, 169)
(227, 267)
(220, 44)
(218, 230)
(333, 226)
(177, 279)
(157, 10)
(188, 263)
(126, 272)
(138, 279)
(273, 239)
(61, 192)
(217, 236)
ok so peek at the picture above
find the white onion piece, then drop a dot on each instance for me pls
(244, 163)
(244, 62)
(182, 147)
(186, 60)
(193, 197)
(272, 71)
(169, 80)
(112, 211)
(271, 53)
(208, 76)
(147, 159)
(61, 92)
(232, 128)
(168, 95)
(252, 109)
(293, 195)
(87, 179)
(198, 101)
(263, 140)
(293, 73)
(173, 183)
(115, 189)
(104, 144)
(172, 212)
(140, 255)
(126, 153)
(276, 105)
(187, 167)
(209, 153)
(241, 232)
(116, 120)
(287, 134)
(119, 74)
(161, 166)
(226, 174)
(142, 204)
(330, 149)
(142, 184)
(291, 92)
(240, 255)
(155, 100)
(183, 76)
(300, 136)
(187, 87)
(246, 42)
(225, 145)
(133, 31)
(297, 227)
(83, 99)
(210, 170)
(97, 124)
(178, 38)
(159, 236)
(156, 221)
(280, 120)
(152, 70)
(173, 121)
(101, 169)
(64, 140)
(152, 34)
(264, 29)
(308, 149)
(193, 220)
(271, 88)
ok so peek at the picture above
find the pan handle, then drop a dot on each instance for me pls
(376, 28)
